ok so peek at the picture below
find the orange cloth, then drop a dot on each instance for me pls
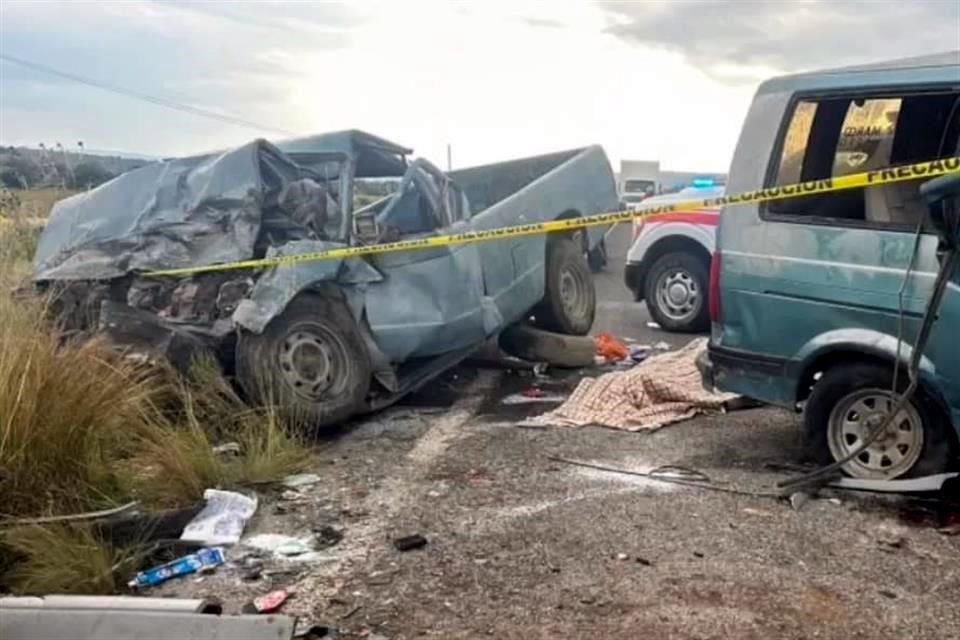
(610, 348)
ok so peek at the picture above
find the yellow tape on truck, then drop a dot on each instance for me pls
(813, 187)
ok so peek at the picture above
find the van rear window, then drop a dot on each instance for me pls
(842, 135)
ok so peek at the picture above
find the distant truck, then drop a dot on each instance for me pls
(639, 180)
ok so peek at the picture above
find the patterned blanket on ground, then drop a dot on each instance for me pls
(659, 391)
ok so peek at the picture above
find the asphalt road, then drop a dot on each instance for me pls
(617, 313)
(522, 546)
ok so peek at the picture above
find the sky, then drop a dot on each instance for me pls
(494, 79)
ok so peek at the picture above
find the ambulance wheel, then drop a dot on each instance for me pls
(676, 293)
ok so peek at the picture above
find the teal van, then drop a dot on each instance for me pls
(812, 299)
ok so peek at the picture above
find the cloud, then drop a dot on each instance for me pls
(425, 74)
(722, 35)
(542, 23)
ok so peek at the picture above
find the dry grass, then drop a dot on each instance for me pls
(82, 429)
(67, 413)
(37, 203)
(66, 560)
(180, 458)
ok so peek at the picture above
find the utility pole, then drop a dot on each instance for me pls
(449, 157)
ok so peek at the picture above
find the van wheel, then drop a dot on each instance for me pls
(570, 300)
(310, 362)
(850, 401)
(676, 293)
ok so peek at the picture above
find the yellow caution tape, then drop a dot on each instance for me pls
(813, 187)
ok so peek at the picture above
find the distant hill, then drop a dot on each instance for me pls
(30, 168)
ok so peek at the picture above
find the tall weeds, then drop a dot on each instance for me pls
(82, 429)
(68, 412)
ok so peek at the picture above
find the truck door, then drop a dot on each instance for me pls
(431, 300)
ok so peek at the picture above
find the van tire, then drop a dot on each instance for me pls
(689, 276)
(842, 382)
(570, 299)
(274, 367)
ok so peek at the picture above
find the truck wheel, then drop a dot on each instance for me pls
(850, 401)
(310, 362)
(570, 300)
(676, 293)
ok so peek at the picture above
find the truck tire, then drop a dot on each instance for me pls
(676, 290)
(310, 362)
(537, 345)
(570, 300)
(846, 404)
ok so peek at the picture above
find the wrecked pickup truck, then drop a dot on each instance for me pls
(328, 339)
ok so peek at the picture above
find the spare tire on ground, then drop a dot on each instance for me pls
(557, 349)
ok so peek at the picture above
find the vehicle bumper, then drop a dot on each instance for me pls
(633, 276)
(757, 376)
(705, 367)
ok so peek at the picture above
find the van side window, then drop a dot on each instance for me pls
(837, 136)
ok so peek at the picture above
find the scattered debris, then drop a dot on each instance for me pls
(660, 391)
(622, 556)
(532, 396)
(351, 612)
(926, 483)
(327, 536)
(232, 448)
(674, 475)
(268, 602)
(222, 520)
(309, 631)
(698, 554)
(252, 574)
(73, 517)
(639, 352)
(890, 536)
(888, 594)
(298, 480)
(609, 348)
(286, 548)
(652, 325)
(293, 547)
(799, 499)
(408, 543)
(662, 346)
(757, 512)
(180, 567)
(643, 561)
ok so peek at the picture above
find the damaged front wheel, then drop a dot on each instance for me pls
(310, 362)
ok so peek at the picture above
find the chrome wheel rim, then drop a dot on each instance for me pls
(678, 295)
(893, 453)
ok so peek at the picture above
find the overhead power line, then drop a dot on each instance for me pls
(136, 95)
